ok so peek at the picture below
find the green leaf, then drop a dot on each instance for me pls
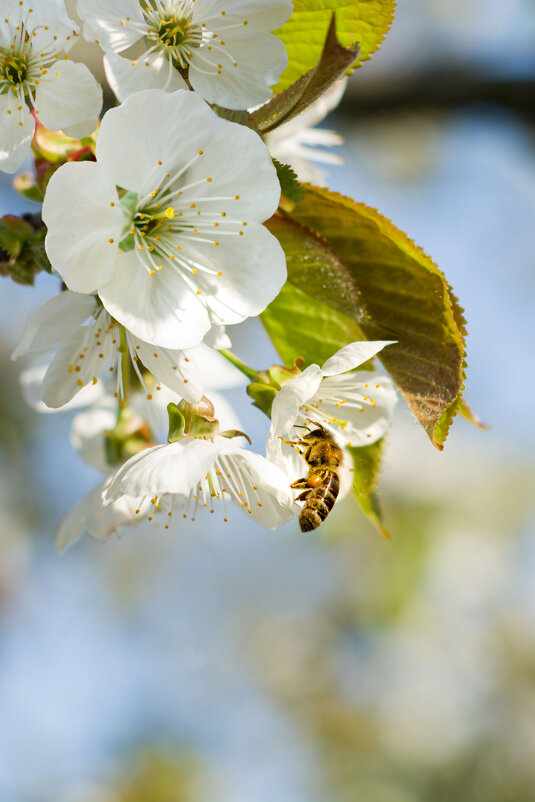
(37, 250)
(316, 270)
(333, 62)
(14, 233)
(299, 325)
(290, 186)
(366, 466)
(466, 412)
(400, 294)
(362, 21)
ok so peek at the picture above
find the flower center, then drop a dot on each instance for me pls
(225, 481)
(167, 225)
(13, 69)
(173, 33)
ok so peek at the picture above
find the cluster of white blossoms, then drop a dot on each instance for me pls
(36, 73)
(160, 243)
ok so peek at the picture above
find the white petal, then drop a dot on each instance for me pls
(52, 30)
(264, 487)
(371, 399)
(115, 25)
(241, 168)
(290, 397)
(17, 127)
(149, 127)
(353, 355)
(73, 524)
(253, 268)
(99, 521)
(81, 222)
(31, 380)
(80, 129)
(261, 15)
(173, 468)
(67, 96)
(218, 372)
(55, 320)
(159, 309)
(126, 76)
(68, 372)
(242, 76)
(217, 337)
(176, 369)
(286, 457)
(87, 432)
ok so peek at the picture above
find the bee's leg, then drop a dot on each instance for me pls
(292, 442)
(318, 478)
(299, 483)
(304, 496)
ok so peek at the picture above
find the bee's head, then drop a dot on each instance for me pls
(319, 433)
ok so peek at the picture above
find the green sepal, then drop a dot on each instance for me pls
(199, 419)
(263, 396)
(279, 375)
(57, 147)
(202, 427)
(129, 200)
(230, 433)
(128, 243)
(177, 424)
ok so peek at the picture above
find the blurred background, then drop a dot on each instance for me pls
(239, 665)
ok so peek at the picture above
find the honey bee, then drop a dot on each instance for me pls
(324, 457)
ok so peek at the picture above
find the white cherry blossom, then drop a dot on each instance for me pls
(194, 473)
(356, 407)
(226, 49)
(299, 142)
(166, 225)
(93, 343)
(89, 515)
(63, 93)
(88, 436)
(146, 420)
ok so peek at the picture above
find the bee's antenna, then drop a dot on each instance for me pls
(316, 424)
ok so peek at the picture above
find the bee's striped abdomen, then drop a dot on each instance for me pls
(319, 502)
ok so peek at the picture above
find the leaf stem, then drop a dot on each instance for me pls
(238, 363)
